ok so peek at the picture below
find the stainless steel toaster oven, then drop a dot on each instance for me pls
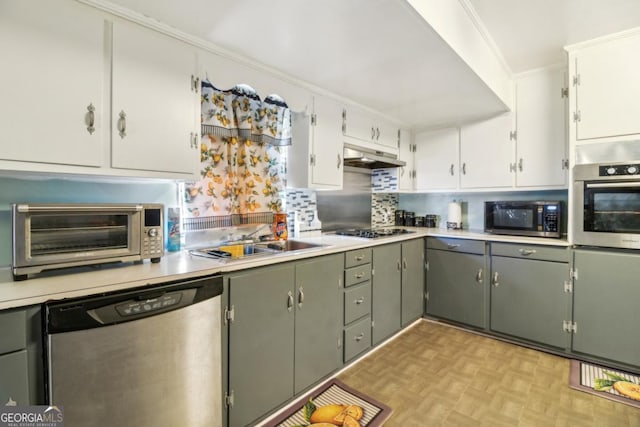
(52, 236)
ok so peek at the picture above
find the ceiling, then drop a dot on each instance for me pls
(382, 54)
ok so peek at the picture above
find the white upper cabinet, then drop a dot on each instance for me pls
(541, 147)
(53, 107)
(315, 157)
(406, 174)
(155, 97)
(371, 129)
(436, 157)
(486, 153)
(605, 87)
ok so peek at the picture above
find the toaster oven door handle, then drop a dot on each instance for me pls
(84, 208)
(635, 184)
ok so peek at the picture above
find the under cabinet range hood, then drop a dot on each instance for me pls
(359, 157)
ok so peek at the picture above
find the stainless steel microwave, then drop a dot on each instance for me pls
(526, 218)
(52, 236)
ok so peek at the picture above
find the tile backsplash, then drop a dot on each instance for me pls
(383, 208)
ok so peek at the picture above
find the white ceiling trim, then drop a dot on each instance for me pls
(599, 40)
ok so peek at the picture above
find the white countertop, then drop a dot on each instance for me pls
(181, 265)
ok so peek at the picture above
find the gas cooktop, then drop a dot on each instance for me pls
(372, 233)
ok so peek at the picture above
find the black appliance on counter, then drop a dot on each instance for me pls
(399, 217)
(524, 218)
(372, 233)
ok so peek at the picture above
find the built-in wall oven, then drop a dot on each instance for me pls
(606, 211)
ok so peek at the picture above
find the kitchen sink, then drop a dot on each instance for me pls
(249, 250)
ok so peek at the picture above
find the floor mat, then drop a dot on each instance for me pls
(334, 403)
(604, 382)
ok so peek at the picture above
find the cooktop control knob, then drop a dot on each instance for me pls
(632, 170)
(152, 232)
(611, 171)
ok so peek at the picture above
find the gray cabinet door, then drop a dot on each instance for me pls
(261, 341)
(386, 291)
(14, 378)
(412, 280)
(318, 324)
(456, 287)
(606, 305)
(528, 299)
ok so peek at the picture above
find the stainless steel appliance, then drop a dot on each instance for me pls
(607, 205)
(372, 233)
(360, 157)
(525, 218)
(51, 236)
(145, 357)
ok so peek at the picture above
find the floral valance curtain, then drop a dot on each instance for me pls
(241, 156)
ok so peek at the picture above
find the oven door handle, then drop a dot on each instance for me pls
(79, 208)
(614, 185)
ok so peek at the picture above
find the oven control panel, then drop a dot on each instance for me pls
(613, 170)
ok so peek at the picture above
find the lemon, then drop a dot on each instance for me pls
(325, 414)
(628, 389)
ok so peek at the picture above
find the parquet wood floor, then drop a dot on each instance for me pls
(437, 375)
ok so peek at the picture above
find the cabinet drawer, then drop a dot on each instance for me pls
(357, 257)
(543, 253)
(357, 302)
(357, 338)
(456, 245)
(14, 378)
(13, 331)
(358, 274)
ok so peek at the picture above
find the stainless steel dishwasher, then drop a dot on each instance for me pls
(145, 357)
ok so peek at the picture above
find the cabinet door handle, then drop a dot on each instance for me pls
(289, 301)
(358, 301)
(359, 337)
(464, 168)
(300, 296)
(91, 115)
(402, 171)
(451, 169)
(399, 265)
(339, 161)
(495, 281)
(520, 165)
(479, 276)
(527, 252)
(404, 263)
(452, 246)
(122, 124)
(377, 134)
(373, 133)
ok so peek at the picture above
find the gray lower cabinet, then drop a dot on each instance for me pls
(357, 302)
(285, 334)
(529, 299)
(606, 306)
(412, 280)
(386, 291)
(21, 363)
(456, 285)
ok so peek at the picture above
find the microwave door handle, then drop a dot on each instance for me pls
(613, 185)
(83, 208)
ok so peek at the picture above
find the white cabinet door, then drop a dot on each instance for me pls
(405, 173)
(358, 124)
(387, 134)
(53, 71)
(436, 159)
(486, 153)
(327, 144)
(541, 140)
(152, 77)
(608, 89)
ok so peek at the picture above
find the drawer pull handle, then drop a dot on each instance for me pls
(527, 252)
(359, 337)
(358, 301)
(452, 246)
(360, 275)
(359, 258)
